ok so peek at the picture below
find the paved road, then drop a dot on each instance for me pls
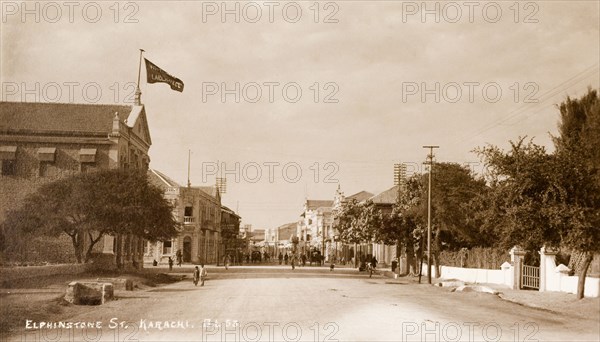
(276, 304)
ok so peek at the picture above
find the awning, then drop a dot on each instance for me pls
(87, 155)
(46, 154)
(8, 152)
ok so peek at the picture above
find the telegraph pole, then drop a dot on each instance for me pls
(430, 163)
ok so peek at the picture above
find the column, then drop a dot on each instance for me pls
(517, 256)
(547, 266)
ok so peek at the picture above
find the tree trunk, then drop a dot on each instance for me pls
(436, 263)
(584, 268)
(77, 246)
(88, 253)
(119, 253)
(410, 257)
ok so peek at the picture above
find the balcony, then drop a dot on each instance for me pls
(189, 220)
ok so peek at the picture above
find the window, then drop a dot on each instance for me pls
(8, 167)
(87, 167)
(188, 211)
(44, 170)
(8, 157)
(167, 247)
(87, 158)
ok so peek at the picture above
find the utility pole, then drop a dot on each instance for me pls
(430, 163)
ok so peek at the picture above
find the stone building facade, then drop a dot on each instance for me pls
(198, 210)
(41, 142)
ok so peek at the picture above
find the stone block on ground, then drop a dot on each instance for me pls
(121, 284)
(476, 288)
(89, 293)
(452, 283)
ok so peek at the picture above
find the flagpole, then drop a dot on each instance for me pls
(138, 93)
(189, 157)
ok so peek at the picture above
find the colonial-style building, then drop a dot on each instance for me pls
(315, 225)
(230, 233)
(198, 209)
(41, 142)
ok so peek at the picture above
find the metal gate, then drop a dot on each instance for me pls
(530, 277)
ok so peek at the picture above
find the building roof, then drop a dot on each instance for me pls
(286, 231)
(314, 204)
(210, 190)
(388, 196)
(161, 180)
(360, 196)
(229, 211)
(61, 117)
(257, 235)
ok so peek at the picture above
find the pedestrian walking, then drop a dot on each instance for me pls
(293, 261)
(203, 274)
(280, 257)
(227, 260)
(196, 276)
(179, 257)
(170, 264)
(303, 257)
(374, 262)
(286, 258)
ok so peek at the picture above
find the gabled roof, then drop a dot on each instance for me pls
(360, 196)
(211, 190)
(161, 180)
(229, 211)
(388, 196)
(314, 204)
(286, 231)
(60, 117)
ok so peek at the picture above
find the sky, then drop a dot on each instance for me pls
(289, 100)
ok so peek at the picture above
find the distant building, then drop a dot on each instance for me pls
(284, 236)
(230, 233)
(198, 209)
(41, 142)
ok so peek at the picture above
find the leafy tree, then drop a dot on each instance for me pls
(577, 211)
(88, 206)
(347, 222)
(540, 199)
(358, 222)
(407, 223)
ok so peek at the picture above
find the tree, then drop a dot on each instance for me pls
(88, 206)
(406, 224)
(577, 210)
(523, 190)
(540, 199)
(358, 222)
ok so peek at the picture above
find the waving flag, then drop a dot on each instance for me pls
(155, 74)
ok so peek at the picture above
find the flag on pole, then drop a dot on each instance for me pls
(155, 74)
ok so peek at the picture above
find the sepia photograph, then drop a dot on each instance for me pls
(307, 170)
